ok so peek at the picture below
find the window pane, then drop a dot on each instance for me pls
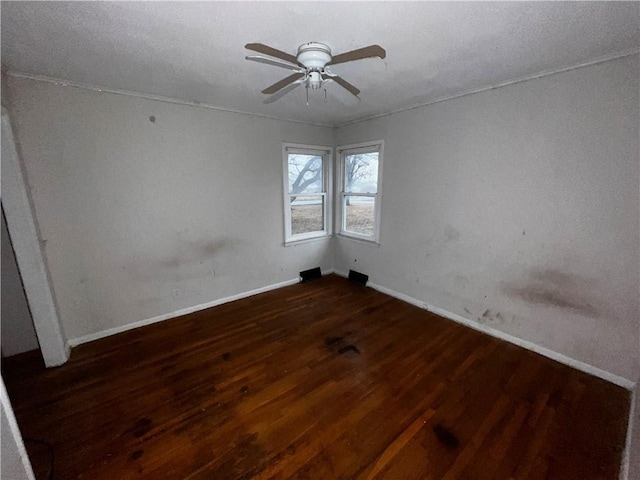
(361, 172)
(307, 214)
(359, 214)
(305, 173)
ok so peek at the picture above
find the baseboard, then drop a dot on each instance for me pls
(184, 311)
(553, 355)
(626, 454)
(584, 367)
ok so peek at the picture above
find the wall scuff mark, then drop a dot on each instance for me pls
(187, 259)
(556, 289)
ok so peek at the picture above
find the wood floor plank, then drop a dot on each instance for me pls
(322, 380)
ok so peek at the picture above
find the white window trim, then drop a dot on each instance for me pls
(327, 194)
(341, 152)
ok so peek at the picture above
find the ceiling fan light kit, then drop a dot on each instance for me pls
(311, 66)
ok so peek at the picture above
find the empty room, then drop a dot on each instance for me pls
(320, 240)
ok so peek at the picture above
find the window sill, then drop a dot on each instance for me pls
(293, 243)
(373, 243)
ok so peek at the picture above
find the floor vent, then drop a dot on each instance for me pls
(358, 278)
(309, 275)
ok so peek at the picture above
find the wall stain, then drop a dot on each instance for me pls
(488, 317)
(192, 252)
(194, 255)
(554, 276)
(467, 310)
(556, 289)
(546, 296)
(451, 234)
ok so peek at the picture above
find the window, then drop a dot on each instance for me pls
(360, 176)
(307, 203)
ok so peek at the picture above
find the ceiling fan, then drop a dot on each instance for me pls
(311, 66)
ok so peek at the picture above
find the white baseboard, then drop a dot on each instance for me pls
(184, 311)
(584, 367)
(577, 364)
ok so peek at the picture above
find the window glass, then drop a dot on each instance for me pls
(305, 173)
(307, 214)
(361, 173)
(359, 214)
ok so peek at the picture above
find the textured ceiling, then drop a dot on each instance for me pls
(195, 51)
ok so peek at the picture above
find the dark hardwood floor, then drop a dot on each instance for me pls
(324, 380)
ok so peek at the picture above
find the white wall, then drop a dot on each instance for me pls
(142, 218)
(518, 208)
(16, 328)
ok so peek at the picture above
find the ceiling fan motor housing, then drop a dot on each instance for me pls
(314, 55)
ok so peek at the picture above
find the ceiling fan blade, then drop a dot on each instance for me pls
(365, 52)
(275, 63)
(283, 92)
(283, 83)
(344, 84)
(272, 52)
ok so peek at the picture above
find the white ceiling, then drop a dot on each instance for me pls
(195, 51)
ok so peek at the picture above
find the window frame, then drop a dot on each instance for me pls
(327, 191)
(341, 153)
